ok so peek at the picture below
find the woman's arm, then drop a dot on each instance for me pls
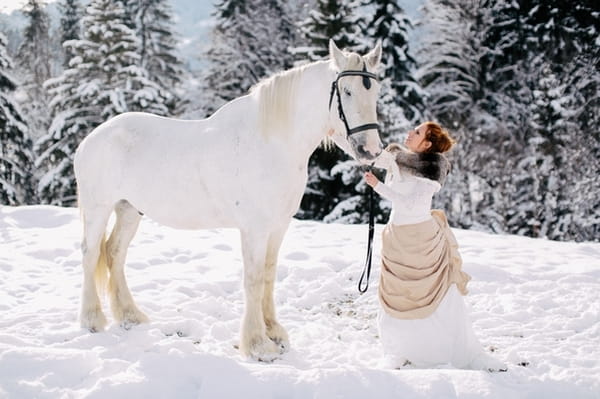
(382, 189)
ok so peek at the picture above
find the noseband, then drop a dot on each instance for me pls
(336, 90)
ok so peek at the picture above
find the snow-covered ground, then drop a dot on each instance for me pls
(535, 304)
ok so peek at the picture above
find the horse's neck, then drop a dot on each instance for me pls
(310, 116)
(294, 113)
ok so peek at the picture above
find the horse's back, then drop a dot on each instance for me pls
(154, 129)
(129, 148)
(131, 124)
(168, 168)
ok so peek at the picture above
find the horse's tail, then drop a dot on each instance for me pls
(101, 273)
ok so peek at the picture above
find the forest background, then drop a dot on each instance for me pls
(516, 82)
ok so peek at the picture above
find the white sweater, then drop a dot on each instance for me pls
(410, 195)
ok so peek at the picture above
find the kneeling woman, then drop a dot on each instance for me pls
(423, 321)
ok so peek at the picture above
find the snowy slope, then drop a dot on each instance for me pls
(536, 303)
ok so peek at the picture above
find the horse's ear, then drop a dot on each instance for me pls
(335, 54)
(374, 56)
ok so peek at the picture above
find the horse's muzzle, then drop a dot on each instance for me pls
(366, 156)
(366, 148)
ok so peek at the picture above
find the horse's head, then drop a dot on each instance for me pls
(353, 103)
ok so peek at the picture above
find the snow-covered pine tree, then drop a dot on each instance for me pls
(514, 170)
(538, 205)
(328, 188)
(70, 25)
(33, 53)
(562, 29)
(153, 21)
(509, 73)
(250, 41)
(33, 58)
(568, 33)
(449, 71)
(331, 19)
(582, 185)
(562, 139)
(401, 103)
(222, 77)
(449, 61)
(15, 146)
(104, 79)
(462, 50)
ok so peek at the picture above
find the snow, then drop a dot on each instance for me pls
(11, 5)
(536, 303)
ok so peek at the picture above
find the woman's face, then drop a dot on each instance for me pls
(416, 141)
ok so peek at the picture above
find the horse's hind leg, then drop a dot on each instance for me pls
(274, 330)
(94, 267)
(122, 305)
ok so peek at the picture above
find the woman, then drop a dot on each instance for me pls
(423, 321)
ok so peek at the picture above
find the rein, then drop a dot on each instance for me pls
(366, 273)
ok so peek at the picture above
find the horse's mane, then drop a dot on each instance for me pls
(276, 95)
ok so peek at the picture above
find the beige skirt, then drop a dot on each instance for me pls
(419, 262)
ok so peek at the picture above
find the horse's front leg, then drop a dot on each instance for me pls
(254, 340)
(275, 331)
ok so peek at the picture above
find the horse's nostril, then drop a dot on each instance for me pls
(368, 153)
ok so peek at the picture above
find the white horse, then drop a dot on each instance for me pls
(244, 167)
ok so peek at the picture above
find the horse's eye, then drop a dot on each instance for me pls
(347, 92)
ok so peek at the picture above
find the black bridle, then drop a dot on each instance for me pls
(335, 89)
(362, 287)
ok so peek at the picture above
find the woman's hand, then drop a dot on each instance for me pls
(371, 179)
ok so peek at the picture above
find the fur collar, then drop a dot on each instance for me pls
(432, 166)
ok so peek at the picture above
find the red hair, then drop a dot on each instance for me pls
(439, 137)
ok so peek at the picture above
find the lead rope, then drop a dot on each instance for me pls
(363, 287)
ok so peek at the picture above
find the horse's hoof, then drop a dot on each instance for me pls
(282, 344)
(128, 323)
(279, 336)
(93, 320)
(133, 317)
(262, 349)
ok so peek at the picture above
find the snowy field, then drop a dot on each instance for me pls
(535, 304)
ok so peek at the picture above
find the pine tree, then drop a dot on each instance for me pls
(449, 61)
(158, 48)
(331, 193)
(104, 79)
(402, 99)
(15, 145)
(559, 46)
(476, 86)
(562, 30)
(34, 53)
(583, 85)
(70, 25)
(33, 58)
(332, 19)
(250, 42)
(224, 79)
(518, 113)
(537, 204)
